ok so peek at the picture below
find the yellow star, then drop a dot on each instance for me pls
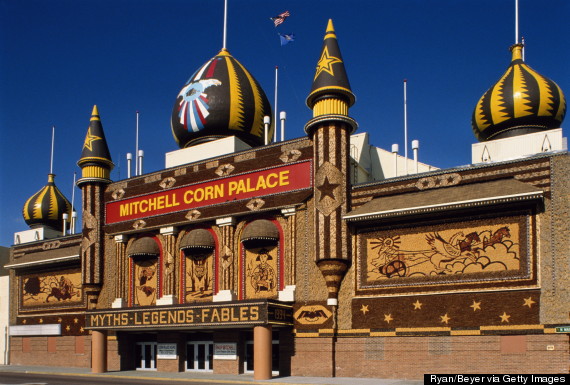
(24, 321)
(476, 305)
(75, 320)
(445, 318)
(528, 302)
(325, 63)
(417, 304)
(41, 320)
(388, 318)
(89, 139)
(81, 329)
(59, 320)
(505, 317)
(364, 309)
(68, 328)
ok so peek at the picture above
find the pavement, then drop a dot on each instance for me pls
(189, 377)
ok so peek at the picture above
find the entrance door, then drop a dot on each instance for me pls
(200, 356)
(146, 355)
(248, 361)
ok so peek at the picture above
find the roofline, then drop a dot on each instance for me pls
(451, 205)
(42, 262)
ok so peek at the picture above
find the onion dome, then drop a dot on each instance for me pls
(95, 161)
(521, 102)
(330, 93)
(221, 99)
(46, 207)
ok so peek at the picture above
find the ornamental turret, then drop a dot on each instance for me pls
(330, 128)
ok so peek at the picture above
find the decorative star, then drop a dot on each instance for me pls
(41, 320)
(445, 318)
(364, 309)
(24, 321)
(81, 329)
(89, 139)
(327, 189)
(76, 320)
(417, 304)
(528, 302)
(68, 328)
(476, 305)
(325, 63)
(505, 317)
(388, 318)
(59, 320)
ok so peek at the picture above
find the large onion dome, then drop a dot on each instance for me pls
(521, 102)
(221, 99)
(46, 207)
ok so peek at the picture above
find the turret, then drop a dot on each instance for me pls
(330, 129)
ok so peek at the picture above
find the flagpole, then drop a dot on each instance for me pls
(225, 23)
(137, 145)
(52, 146)
(522, 41)
(405, 126)
(516, 21)
(275, 106)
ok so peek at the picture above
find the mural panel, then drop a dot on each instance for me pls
(438, 254)
(145, 283)
(261, 272)
(199, 273)
(51, 289)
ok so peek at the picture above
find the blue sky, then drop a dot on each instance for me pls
(60, 57)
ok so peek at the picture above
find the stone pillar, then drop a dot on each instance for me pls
(262, 344)
(226, 252)
(168, 265)
(99, 351)
(121, 284)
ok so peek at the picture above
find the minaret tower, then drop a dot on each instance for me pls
(96, 166)
(330, 129)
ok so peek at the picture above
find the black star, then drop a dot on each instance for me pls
(327, 189)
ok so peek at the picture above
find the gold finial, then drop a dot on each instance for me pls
(330, 30)
(95, 113)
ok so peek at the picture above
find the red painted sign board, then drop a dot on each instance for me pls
(276, 180)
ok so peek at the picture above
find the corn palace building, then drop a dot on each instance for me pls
(296, 258)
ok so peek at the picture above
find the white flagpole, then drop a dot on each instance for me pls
(137, 145)
(405, 126)
(225, 23)
(275, 106)
(522, 41)
(72, 228)
(52, 145)
(516, 21)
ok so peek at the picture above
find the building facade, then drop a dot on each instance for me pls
(288, 258)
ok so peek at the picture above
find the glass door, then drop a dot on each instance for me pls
(200, 356)
(146, 355)
(248, 361)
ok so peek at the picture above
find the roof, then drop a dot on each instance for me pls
(443, 199)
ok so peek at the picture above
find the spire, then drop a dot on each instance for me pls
(95, 161)
(330, 96)
(330, 79)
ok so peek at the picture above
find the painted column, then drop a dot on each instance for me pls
(99, 351)
(262, 357)
(168, 263)
(330, 130)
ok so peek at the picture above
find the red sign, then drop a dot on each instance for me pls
(275, 180)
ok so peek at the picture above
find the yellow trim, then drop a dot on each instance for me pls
(498, 112)
(95, 113)
(236, 98)
(95, 172)
(330, 106)
(383, 334)
(561, 106)
(520, 94)
(330, 30)
(258, 109)
(428, 329)
(465, 332)
(513, 327)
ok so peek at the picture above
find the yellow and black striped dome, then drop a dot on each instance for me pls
(46, 207)
(221, 99)
(521, 102)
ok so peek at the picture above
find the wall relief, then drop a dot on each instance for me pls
(48, 289)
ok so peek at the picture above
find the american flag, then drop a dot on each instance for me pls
(280, 18)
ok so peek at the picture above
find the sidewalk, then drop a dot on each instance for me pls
(189, 377)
